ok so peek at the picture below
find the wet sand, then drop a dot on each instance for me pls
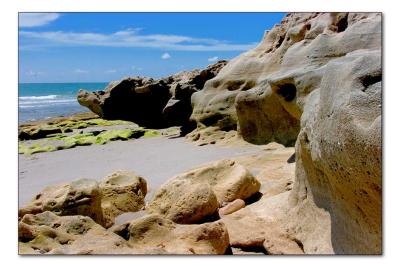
(156, 159)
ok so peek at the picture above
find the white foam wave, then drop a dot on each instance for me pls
(57, 101)
(38, 97)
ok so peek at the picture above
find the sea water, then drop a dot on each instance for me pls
(44, 100)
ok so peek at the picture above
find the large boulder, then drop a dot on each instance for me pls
(80, 197)
(339, 152)
(157, 232)
(197, 194)
(116, 194)
(134, 99)
(149, 102)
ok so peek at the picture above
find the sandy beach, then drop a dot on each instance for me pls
(156, 159)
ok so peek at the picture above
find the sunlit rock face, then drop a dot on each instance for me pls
(314, 81)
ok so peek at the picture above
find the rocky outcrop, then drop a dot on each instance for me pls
(148, 102)
(156, 232)
(116, 194)
(314, 80)
(262, 92)
(339, 152)
(47, 233)
(195, 195)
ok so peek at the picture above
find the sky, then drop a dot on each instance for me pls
(101, 47)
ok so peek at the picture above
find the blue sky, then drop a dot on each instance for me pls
(100, 47)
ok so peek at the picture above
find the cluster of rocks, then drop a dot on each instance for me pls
(148, 102)
(315, 81)
(182, 218)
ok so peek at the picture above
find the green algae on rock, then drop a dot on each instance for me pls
(65, 126)
(62, 141)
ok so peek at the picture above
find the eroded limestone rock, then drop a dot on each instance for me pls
(196, 194)
(47, 233)
(118, 193)
(157, 232)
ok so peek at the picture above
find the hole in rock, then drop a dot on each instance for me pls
(371, 79)
(123, 232)
(299, 243)
(280, 41)
(292, 158)
(234, 85)
(342, 24)
(254, 249)
(287, 91)
(210, 218)
(254, 198)
(212, 120)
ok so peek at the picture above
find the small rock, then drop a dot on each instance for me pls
(232, 207)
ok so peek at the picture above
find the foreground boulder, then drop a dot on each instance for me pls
(116, 194)
(80, 197)
(197, 194)
(148, 102)
(47, 233)
(121, 192)
(157, 232)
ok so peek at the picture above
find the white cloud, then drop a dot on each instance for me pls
(133, 38)
(212, 59)
(136, 68)
(166, 56)
(80, 71)
(34, 73)
(36, 19)
(111, 71)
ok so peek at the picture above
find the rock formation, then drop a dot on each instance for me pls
(116, 194)
(47, 233)
(314, 78)
(148, 102)
(155, 231)
(197, 194)
(314, 81)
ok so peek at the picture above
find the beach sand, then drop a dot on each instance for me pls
(156, 159)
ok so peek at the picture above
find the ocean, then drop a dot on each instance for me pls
(43, 100)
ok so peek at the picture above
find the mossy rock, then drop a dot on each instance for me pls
(82, 139)
(65, 126)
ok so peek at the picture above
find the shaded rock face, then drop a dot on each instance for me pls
(314, 81)
(195, 195)
(150, 103)
(116, 194)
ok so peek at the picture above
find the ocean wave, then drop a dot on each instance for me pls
(42, 102)
(44, 97)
